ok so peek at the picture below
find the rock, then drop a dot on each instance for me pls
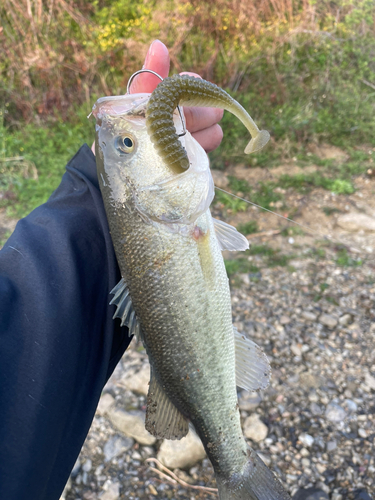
(328, 320)
(370, 381)
(345, 319)
(356, 222)
(181, 454)
(362, 433)
(112, 491)
(311, 380)
(336, 496)
(86, 467)
(115, 446)
(306, 439)
(266, 458)
(296, 350)
(220, 179)
(284, 320)
(105, 402)
(310, 494)
(331, 445)
(248, 401)
(309, 316)
(315, 409)
(334, 413)
(138, 381)
(361, 494)
(254, 428)
(351, 405)
(132, 424)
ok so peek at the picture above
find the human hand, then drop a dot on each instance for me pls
(202, 123)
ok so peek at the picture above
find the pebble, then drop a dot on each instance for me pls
(248, 401)
(362, 495)
(220, 178)
(306, 439)
(354, 222)
(311, 494)
(370, 381)
(351, 405)
(328, 320)
(345, 319)
(254, 428)
(105, 403)
(181, 454)
(331, 445)
(112, 491)
(138, 382)
(86, 467)
(309, 316)
(335, 413)
(296, 350)
(362, 433)
(336, 496)
(115, 446)
(132, 424)
(284, 320)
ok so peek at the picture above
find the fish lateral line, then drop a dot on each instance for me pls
(312, 231)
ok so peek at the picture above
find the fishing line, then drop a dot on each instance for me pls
(313, 231)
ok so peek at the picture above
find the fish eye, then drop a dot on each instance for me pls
(124, 144)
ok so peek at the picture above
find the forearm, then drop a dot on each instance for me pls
(58, 342)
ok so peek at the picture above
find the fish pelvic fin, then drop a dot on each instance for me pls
(256, 482)
(163, 419)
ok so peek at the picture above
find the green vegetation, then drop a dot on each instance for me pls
(344, 259)
(45, 151)
(241, 265)
(249, 227)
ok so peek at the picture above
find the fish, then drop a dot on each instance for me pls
(174, 293)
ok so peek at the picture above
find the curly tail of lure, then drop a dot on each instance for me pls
(190, 91)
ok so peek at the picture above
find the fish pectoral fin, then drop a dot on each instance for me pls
(228, 237)
(124, 309)
(163, 419)
(253, 371)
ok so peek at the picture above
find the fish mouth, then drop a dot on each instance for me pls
(126, 105)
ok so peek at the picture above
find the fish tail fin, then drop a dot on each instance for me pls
(256, 482)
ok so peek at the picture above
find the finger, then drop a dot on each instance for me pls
(157, 59)
(209, 138)
(202, 118)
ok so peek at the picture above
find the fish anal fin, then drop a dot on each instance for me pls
(163, 419)
(253, 370)
(229, 238)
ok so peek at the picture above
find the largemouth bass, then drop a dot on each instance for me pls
(174, 295)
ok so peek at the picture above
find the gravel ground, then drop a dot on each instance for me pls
(314, 425)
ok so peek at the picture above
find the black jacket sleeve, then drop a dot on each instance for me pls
(58, 342)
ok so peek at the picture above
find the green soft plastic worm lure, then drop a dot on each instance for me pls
(190, 91)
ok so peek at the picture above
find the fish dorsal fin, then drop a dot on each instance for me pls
(228, 237)
(253, 370)
(163, 419)
(124, 309)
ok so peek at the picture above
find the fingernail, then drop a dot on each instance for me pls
(149, 54)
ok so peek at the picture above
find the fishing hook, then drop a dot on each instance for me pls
(156, 74)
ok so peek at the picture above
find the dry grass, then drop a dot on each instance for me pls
(55, 52)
